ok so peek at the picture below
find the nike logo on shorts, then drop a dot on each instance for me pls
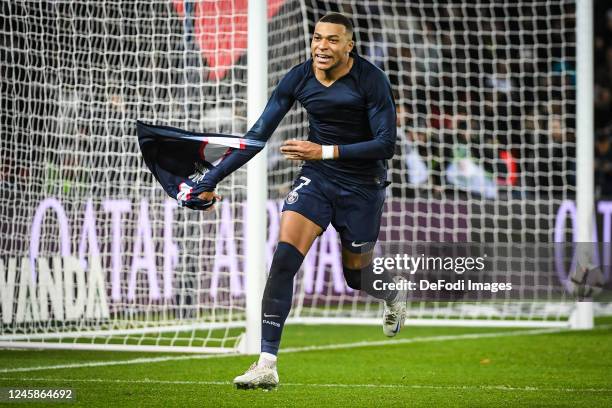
(270, 315)
(360, 244)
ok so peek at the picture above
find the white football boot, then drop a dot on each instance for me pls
(258, 376)
(395, 314)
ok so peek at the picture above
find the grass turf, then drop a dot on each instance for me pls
(554, 369)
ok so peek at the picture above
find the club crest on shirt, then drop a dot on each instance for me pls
(292, 197)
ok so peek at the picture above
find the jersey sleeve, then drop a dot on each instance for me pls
(278, 105)
(382, 119)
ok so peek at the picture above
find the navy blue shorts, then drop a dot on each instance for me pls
(354, 211)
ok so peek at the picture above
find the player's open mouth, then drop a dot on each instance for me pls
(322, 58)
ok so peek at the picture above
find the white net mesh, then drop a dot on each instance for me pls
(75, 76)
(486, 147)
(485, 153)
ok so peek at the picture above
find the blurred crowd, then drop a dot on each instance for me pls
(486, 93)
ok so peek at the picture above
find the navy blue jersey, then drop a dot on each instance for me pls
(179, 159)
(356, 112)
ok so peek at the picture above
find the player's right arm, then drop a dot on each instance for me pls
(278, 105)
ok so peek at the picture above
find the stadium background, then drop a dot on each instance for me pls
(75, 76)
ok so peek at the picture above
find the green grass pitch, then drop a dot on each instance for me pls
(423, 366)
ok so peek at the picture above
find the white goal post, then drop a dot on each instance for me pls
(492, 98)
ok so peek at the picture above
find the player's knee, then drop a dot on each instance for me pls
(355, 260)
(286, 261)
(285, 264)
(352, 277)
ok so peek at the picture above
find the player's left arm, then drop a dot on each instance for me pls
(382, 119)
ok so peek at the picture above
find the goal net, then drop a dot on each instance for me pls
(485, 95)
(92, 251)
(94, 255)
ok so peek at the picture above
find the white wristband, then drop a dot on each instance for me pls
(328, 152)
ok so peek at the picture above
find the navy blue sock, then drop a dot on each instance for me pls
(363, 279)
(276, 302)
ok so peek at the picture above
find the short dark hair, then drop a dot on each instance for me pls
(337, 18)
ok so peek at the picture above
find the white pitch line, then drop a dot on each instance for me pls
(469, 336)
(392, 386)
(148, 360)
